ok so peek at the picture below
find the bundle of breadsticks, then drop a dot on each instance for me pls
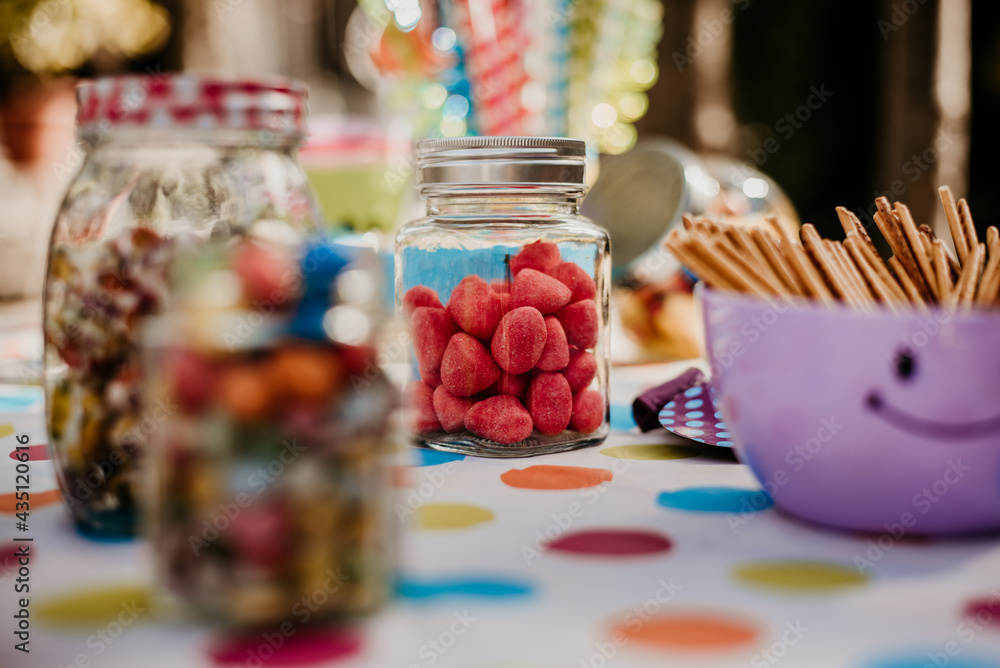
(770, 263)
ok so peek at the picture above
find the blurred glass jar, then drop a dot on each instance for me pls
(639, 197)
(170, 161)
(504, 287)
(268, 485)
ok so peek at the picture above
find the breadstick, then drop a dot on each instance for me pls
(705, 271)
(825, 263)
(881, 290)
(740, 236)
(779, 264)
(886, 221)
(807, 272)
(850, 223)
(904, 280)
(942, 270)
(954, 223)
(855, 276)
(704, 248)
(779, 231)
(916, 246)
(731, 253)
(990, 282)
(880, 268)
(968, 227)
(968, 277)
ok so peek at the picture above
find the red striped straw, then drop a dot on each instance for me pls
(494, 47)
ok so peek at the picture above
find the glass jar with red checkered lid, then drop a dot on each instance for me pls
(166, 162)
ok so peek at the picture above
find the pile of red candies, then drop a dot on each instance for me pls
(505, 358)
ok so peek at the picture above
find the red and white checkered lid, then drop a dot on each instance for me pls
(165, 101)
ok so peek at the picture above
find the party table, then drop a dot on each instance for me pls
(647, 550)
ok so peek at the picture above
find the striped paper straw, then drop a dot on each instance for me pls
(493, 45)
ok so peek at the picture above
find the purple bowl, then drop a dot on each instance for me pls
(886, 422)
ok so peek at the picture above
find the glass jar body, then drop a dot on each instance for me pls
(138, 198)
(271, 479)
(505, 296)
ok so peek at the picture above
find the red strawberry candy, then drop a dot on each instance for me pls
(588, 411)
(265, 273)
(576, 279)
(555, 355)
(513, 384)
(519, 340)
(579, 320)
(550, 403)
(467, 367)
(475, 307)
(580, 371)
(533, 288)
(419, 401)
(540, 255)
(431, 377)
(451, 410)
(432, 329)
(501, 418)
(420, 295)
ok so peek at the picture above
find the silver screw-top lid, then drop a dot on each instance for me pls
(496, 161)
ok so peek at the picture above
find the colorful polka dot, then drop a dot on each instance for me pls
(36, 453)
(923, 660)
(428, 457)
(621, 417)
(94, 608)
(451, 516)
(11, 552)
(417, 589)
(692, 631)
(984, 611)
(8, 502)
(716, 499)
(555, 477)
(650, 451)
(693, 391)
(694, 403)
(6, 430)
(302, 648)
(799, 576)
(612, 543)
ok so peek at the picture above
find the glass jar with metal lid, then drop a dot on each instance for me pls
(168, 162)
(503, 287)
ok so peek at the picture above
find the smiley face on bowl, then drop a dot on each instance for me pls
(863, 421)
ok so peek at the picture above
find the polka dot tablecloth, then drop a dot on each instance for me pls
(646, 551)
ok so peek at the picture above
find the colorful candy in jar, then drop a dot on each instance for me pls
(271, 491)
